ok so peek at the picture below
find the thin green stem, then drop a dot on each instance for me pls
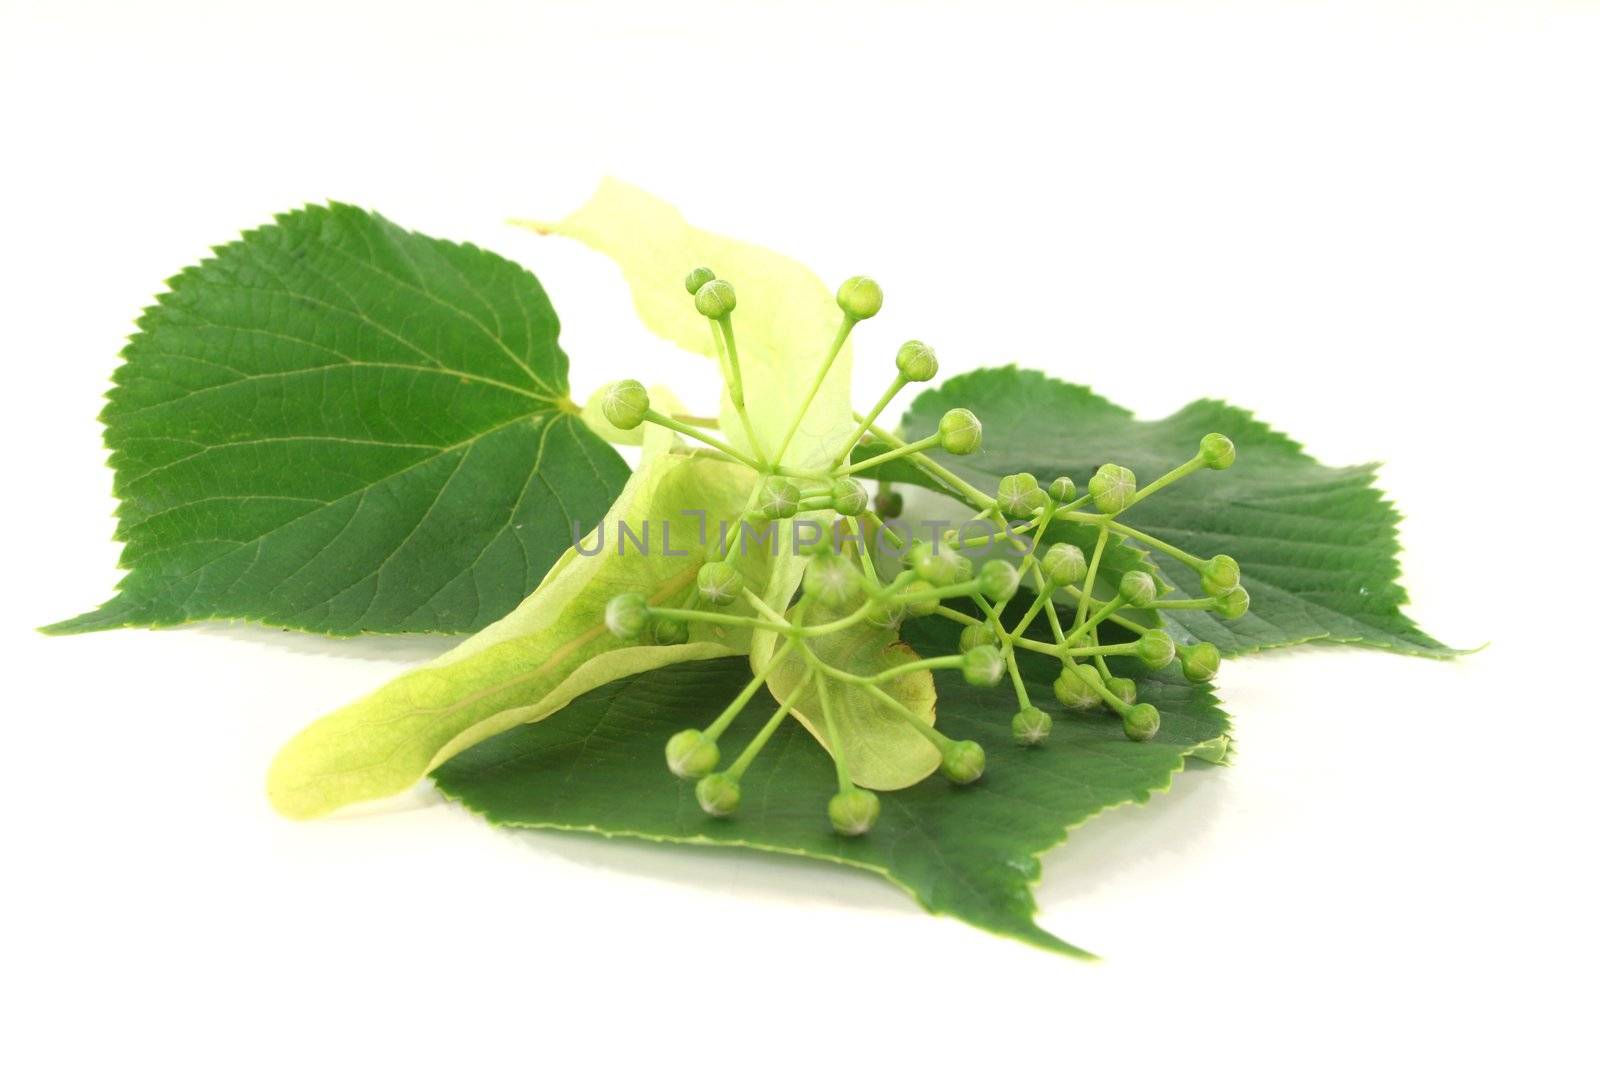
(832, 727)
(704, 438)
(1094, 620)
(736, 386)
(732, 711)
(895, 386)
(1183, 470)
(935, 738)
(721, 619)
(816, 384)
(1126, 649)
(1089, 577)
(958, 616)
(975, 497)
(757, 743)
(893, 454)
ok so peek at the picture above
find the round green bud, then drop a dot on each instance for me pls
(916, 362)
(977, 635)
(853, 812)
(1154, 648)
(1019, 495)
(1064, 565)
(1112, 488)
(963, 568)
(860, 297)
(923, 604)
(1216, 451)
(626, 616)
(715, 299)
(1123, 689)
(1142, 722)
(1062, 490)
(832, 580)
(1073, 689)
(697, 278)
(719, 582)
(849, 496)
(1030, 726)
(885, 614)
(1219, 575)
(779, 499)
(1200, 662)
(1138, 589)
(963, 762)
(934, 565)
(718, 794)
(624, 404)
(1234, 603)
(664, 631)
(984, 665)
(997, 579)
(960, 432)
(889, 504)
(690, 754)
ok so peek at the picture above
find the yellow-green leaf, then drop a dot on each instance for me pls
(784, 324)
(550, 649)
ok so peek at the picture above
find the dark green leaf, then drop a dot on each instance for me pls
(971, 852)
(1317, 544)
(341, 426)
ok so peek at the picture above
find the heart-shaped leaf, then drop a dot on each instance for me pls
(341, 426)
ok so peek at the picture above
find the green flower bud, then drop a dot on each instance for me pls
(696, 278)
(690, 754)
(853, 812)
(1019, 495)
(963, 568)
(849, 496)
(1234, 603)
(916, 362)
(889, 504)
(963, 762)
(626, 616)
(885, 614)
(1216, 451)
(977, 635)
(960, 432)
(1154, 648)
(718, 794)
(832, 580)
(1062, 490)
(715, 299)
(1073, 689)
(1138, 589)
(1064, 565)
(1219, 574)
(997, 579)
(1112, 488)
(922, 605)
(664, 631)
(984, 665)
(624, 404)
(1030, 726)
(779, 499)
(1123, 689)
(936, 566)
(1200, 662)
(1141, 723)
(860, 297)
(719, 582)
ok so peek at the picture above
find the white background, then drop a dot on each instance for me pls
(1376, 225)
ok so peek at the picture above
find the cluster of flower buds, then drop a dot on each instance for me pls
(846, 586)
